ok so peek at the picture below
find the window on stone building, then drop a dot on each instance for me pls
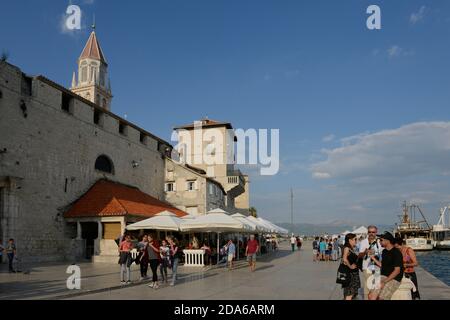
(191, 185)
(83, 74)
(170, 187)
(92, 74)
(122, 128)
(98, 117)
(211, 189)
(143, 138)
(67, 102)
(104, 164)
(104, 105)
(26, 86)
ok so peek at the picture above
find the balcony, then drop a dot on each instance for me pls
(236, 183)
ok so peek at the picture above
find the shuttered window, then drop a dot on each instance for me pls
(111, 230)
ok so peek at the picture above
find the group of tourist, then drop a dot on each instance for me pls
(383, 261)
(326, 249)
(296, 241)
(164, 255)
(228, 252)
(167, 255)
(10, 251)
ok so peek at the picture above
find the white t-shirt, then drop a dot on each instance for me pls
(378, 249)
(293, 240)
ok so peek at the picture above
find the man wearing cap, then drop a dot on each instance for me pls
(391, 269)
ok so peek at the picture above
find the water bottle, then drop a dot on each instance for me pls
(377, 276)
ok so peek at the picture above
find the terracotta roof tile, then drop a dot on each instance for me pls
(107, 198)
(93, 50)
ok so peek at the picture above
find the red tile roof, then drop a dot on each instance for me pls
(107, 198)
(93, 50)
(206, 123)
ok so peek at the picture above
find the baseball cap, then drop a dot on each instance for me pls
(388, 236)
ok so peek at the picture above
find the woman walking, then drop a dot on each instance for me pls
(153, 257)
(349, 258)
(143, 245)
(164, 252)
(175, 254)
(125, 260)
(409, 262)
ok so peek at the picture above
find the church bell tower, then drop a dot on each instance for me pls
(93, 83)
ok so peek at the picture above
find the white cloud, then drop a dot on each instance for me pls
(321, 175)
(414, 149)
(357, 208)
(396, 51)
(329, 138)
(417, 16)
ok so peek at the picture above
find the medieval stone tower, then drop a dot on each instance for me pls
(93, 83)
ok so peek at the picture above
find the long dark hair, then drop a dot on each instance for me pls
(348, 237)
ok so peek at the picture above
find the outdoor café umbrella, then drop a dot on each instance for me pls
(274, 227)
(261, 227)
(216, 220)
(252, 226)
(165, 220)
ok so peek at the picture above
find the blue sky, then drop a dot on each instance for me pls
(309, 68)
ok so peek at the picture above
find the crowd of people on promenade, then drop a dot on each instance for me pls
(383, 261)
(167, 254)
(326, 249)
(162, 255)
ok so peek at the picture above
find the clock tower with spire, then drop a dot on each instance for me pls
(93, 83)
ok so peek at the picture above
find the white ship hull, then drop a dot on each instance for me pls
(443, 245)
(420, 244)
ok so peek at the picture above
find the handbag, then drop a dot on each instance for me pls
(139, 258)
(343, 275)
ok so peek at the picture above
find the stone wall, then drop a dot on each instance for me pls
(51, 153)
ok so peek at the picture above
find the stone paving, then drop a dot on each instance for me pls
(282, 275)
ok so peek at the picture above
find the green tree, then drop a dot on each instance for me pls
(253, 212)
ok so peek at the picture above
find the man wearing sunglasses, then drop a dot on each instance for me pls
(370, 247)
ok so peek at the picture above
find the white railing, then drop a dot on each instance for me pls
(194, 258)
(134, 254)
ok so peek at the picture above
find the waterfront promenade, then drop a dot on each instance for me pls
(279, 276)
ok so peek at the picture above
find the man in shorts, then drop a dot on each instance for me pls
(231, 254)
(391, 269)
(250, 252)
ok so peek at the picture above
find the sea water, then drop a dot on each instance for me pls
(437, 263)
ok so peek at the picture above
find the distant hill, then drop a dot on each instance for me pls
(334, 227)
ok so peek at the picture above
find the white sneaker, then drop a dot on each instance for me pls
(151, 285)
(156, 286)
